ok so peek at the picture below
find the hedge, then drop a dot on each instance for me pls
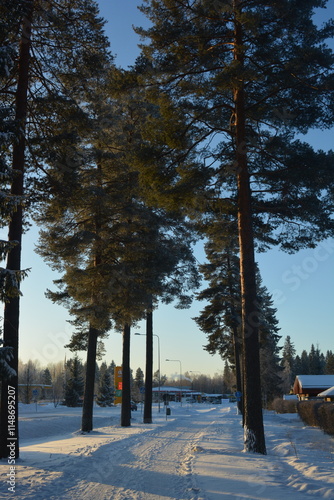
(315, 413)
(280, 405)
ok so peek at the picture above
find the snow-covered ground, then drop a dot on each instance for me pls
(196, 454)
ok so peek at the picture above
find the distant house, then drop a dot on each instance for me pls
(328, 395)
(309, 386)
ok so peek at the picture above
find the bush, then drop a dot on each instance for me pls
(280, 405)
(317, 414)
(326, 414)
(308, 412)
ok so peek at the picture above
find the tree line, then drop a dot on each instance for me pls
(313, 362)
(63, 382)
(125, 169)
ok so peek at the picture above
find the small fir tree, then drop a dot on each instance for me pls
(288, 360)
(138, 383)
(74, 387)
(46, 380)
(105, 396)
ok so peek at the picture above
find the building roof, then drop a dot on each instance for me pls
(316, 381)
(166, 388)
(328, 392)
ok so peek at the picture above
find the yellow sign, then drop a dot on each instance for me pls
(118, 384)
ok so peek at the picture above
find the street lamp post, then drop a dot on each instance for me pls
(180, 375)
(159, 379)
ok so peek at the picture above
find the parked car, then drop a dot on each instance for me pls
(133, 406)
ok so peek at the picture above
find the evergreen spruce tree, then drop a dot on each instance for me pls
(304, 364)
(316, 361)
(289, 365)
(138, 383)
(139, 378)
(46, 377)
(245, 77)
(269, 348)
(111, 369)
(221, 317)
(74, 387)
(329, 363)
(288, 354)
(47, 380)
(297, 365)
(105, 395)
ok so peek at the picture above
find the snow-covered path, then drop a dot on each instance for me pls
(194, 455)
(139, 463)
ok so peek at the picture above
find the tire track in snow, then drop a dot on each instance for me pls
(136, 463)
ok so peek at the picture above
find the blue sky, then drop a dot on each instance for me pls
(301, 284)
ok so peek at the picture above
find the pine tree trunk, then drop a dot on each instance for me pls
(126, 379)
(253, 418)
(9, 434)
(148, 370)
(88, 402)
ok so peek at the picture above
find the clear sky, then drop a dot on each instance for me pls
(301, 284)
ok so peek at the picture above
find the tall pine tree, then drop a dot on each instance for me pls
(15, 226)
(116, 252)
(65, 39)
(245, 77)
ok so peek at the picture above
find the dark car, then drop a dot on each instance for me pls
(133, 406)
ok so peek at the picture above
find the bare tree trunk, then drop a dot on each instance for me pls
(9, 388)
(126, 379)
(253, 418)
(88, 401)
(148, 370)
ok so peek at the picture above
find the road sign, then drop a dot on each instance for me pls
(35, 392)
(142, 390)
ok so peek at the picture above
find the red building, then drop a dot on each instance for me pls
(309, 386)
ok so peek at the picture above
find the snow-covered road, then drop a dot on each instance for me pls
(197, 454)
(139, 463)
